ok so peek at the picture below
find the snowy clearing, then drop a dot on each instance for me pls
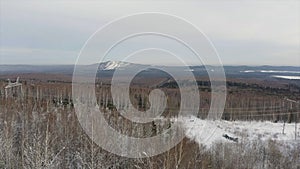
(287, 77)
(208, 132)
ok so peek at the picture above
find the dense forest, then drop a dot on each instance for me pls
(39, 129)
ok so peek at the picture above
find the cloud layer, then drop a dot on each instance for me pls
(243, 32)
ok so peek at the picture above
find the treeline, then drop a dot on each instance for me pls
(234, 86)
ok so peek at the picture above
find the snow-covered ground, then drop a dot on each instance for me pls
(270, 71)
(207, 132)
(287, 77)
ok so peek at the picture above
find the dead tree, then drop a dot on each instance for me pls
(13, 89)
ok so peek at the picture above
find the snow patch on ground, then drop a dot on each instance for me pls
(278, 71)
(288, 77)
(247, 71)
(207, 132)
(270, 71)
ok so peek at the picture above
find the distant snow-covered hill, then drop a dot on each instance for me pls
(112, 65)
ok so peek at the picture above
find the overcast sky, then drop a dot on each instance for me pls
(243, 32)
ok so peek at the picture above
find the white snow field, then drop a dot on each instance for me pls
(207, 132)
(270, 71)
(288, 77)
